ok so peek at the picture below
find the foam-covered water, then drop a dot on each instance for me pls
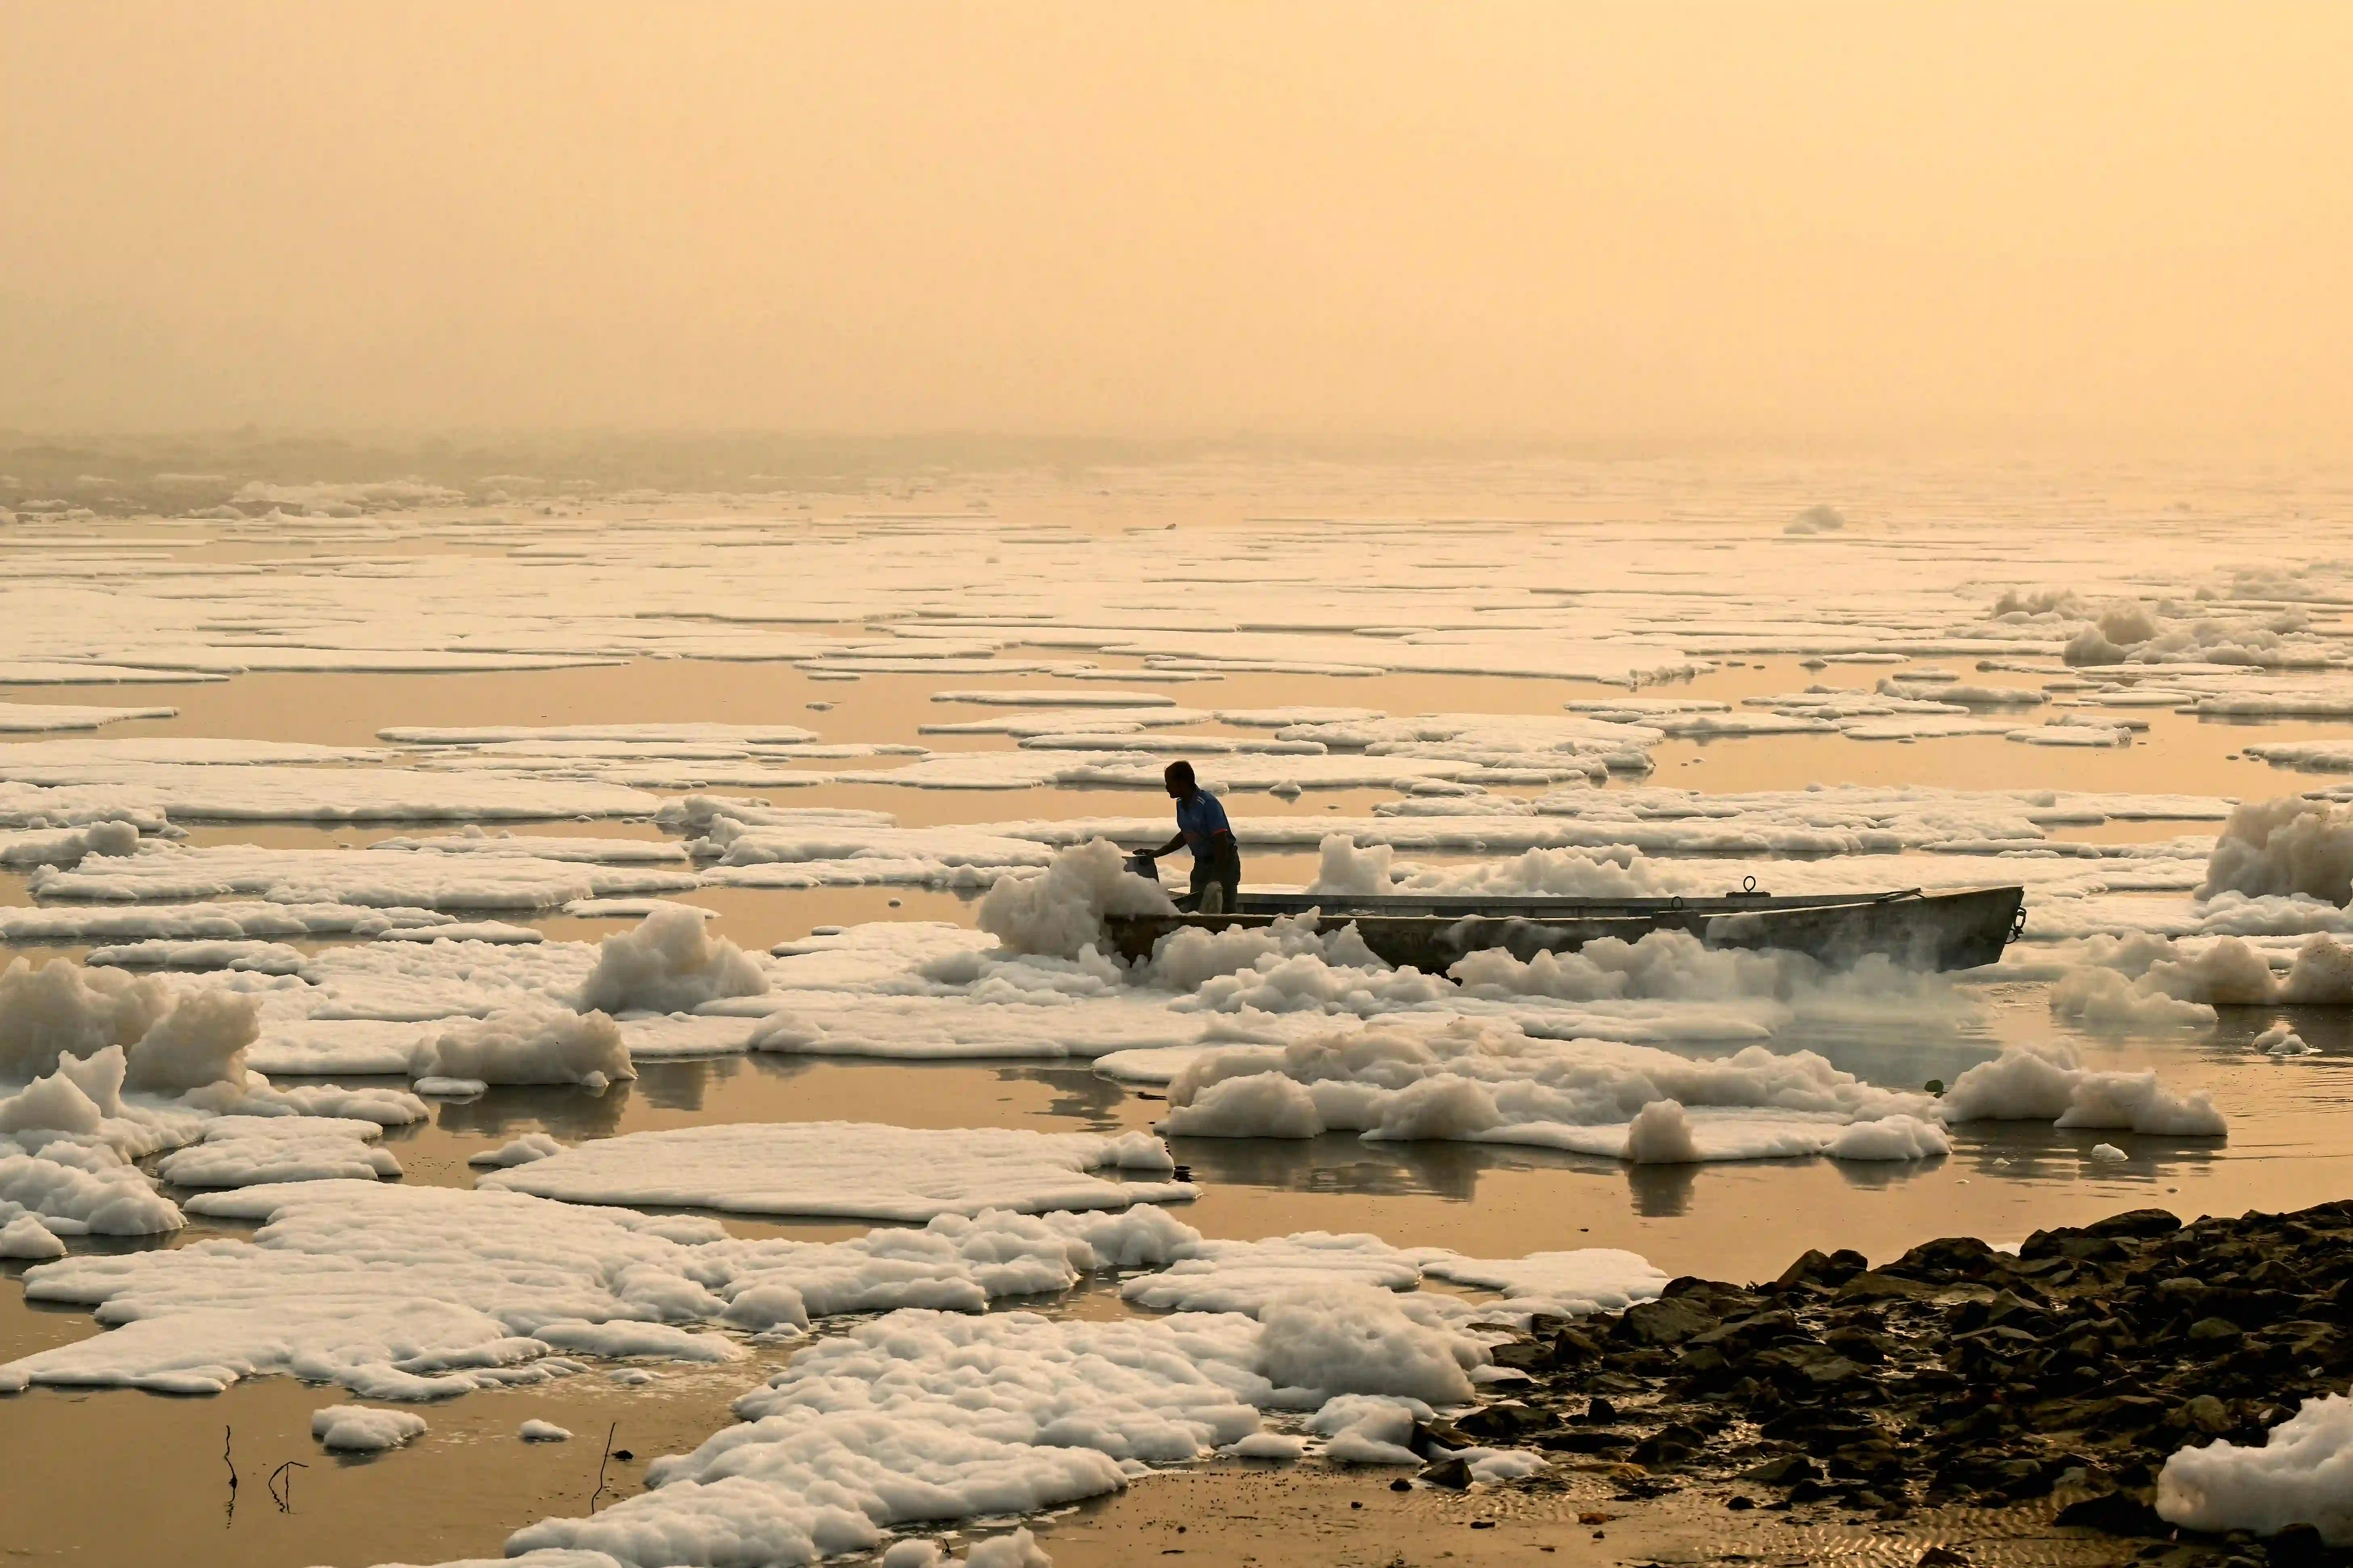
(663, 853)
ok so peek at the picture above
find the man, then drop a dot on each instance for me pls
(1202, 827)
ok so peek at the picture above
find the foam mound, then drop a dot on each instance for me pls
(2284, 846)
(1480, 1082)
(2047, 1083)
(172, 1041)
(670, 964)
(2303, 1474)
(1057, 913)
(546, 1044)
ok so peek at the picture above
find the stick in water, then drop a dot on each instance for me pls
(600, 1466)
(286, 1503)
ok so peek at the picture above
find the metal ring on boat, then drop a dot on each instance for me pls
(1676, 903)
(1747, 884)
(2017, 927)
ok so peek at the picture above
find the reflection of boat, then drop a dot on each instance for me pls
(1915, 929)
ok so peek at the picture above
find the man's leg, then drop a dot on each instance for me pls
(1191, 902)
(1228, 877)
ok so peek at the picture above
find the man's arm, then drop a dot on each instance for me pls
(1170, 848)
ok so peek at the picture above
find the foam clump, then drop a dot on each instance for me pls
(1353, 1339)
(2288, 845)
(1477, 1081)
(1607, 871)
(1677, 966)
(1188, 959)
(543, 1044)
(1059, 912)
(522, 1150)
(1017, 1548)
(26, 1238)
(2279, 1040)
(538, 1431)
(358, 1429)
(1343, 868)
(670, 964)
(69, 846)
(2303, 1474)
(2047, 1083)
(174, 1042)
(2143, 982)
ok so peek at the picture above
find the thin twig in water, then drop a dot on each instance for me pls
(229, 1516)
(600, 1466)
(286, 1503)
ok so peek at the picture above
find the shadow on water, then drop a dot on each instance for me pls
(1341, 1163)
(1662, 1191)
(565, 1110)
(1080, 1093)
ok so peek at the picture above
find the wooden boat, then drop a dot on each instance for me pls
(1914, 928)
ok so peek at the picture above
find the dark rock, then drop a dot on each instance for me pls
(1669, 1321)
(1436, 1439)
(2113, 1513)
(1664, 1448)
(1583, 1440)
(1786, 1471)
(1600, 1409)
(1876, 1285)
(1859, 1344)
(2139, 1222)
(1452, 1474)
(1828, 1270)
(2220, 1332)
(1739, 1504)
(1953, 1259)
(1940, 1557)
(1502, 1422)
(2297, 1546)
(2204, 1413)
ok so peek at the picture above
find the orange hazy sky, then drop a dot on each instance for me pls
(2123, 224)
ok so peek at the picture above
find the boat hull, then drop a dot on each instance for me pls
(1914, 929)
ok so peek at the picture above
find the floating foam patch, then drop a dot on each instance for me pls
(852, 1170)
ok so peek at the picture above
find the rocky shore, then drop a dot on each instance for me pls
(2065, 1374)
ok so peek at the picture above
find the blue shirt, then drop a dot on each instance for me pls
(1200, 819)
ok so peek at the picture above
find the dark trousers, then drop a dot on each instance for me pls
(1219, 867)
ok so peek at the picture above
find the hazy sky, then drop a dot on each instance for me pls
(2128, 225)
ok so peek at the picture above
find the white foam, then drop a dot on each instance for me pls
(39, 718)
(26, 1238)
(377, 877)
(2303, 1474)
(2286, 846)
(1059, 911)
(240, 1151)
(68, 845)
(1488, 1083)
(393, 1292)
(358, 1429)
(671, 962)
(526, 1044)
(851, 1170)
(2046, 1083)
